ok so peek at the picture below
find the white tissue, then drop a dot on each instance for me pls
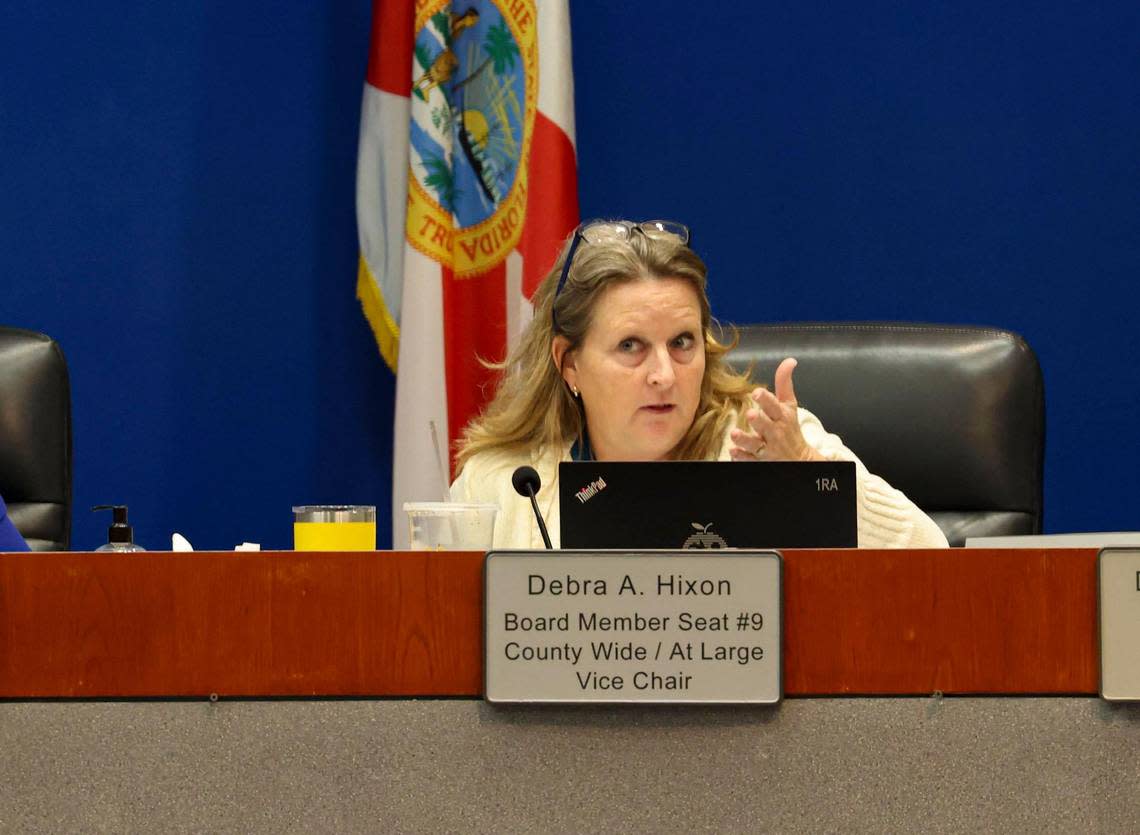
(180, 543)
(248, 546)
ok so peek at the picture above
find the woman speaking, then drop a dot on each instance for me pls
(620, 364)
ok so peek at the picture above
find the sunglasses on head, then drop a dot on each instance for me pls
(597, 231)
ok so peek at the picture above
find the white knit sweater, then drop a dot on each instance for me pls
(886, 518)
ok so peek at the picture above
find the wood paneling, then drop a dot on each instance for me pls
(410, 623)
(240, 624)
(955, 621)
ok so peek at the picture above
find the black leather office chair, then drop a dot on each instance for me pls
(35, 438)
(953, 416)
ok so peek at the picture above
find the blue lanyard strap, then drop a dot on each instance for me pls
(581, 451)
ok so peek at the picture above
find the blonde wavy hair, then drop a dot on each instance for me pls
(533, 408)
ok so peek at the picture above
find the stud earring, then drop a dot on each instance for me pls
(574, 391)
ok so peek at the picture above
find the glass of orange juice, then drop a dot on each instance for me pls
(334, 527)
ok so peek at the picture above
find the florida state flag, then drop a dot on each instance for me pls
(466, 185)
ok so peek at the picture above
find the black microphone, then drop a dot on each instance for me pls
(526, 482)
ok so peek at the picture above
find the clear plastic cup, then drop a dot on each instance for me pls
(334, 527)
(451, 526)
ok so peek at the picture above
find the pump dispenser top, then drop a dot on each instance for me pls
(120, 536)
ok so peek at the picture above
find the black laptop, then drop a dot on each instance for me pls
(707, 504)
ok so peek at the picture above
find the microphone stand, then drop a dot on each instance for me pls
(538, 516)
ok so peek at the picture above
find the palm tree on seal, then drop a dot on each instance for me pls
(442, 69)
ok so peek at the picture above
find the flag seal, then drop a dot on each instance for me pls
(473, 103)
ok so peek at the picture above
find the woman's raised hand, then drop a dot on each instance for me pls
(774, 426)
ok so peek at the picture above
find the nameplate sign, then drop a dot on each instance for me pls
(646, 626)
(1118, 578)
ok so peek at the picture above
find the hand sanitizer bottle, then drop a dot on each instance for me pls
(120, 536)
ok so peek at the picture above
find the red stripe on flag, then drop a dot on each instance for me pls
(390, 52)
(552, 200)
(474, 327)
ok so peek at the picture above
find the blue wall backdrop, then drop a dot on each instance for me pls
(178, 211)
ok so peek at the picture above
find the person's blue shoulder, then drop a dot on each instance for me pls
(10, 539)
